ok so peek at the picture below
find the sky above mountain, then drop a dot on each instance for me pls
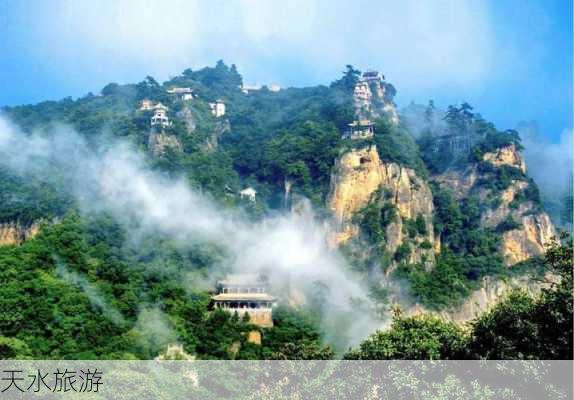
(511, 60)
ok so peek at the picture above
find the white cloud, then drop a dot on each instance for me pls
(549, 164)
(112, 177)
(422, 44)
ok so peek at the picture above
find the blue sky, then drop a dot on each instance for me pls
(512, 60)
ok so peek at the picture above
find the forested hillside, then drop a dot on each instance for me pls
(426, 211)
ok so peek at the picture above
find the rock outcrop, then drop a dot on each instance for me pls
(490, 293)
(221, 127)
(531, 239)
(534, 229)
(357, 176)
(159, 142)
(508, 155)
(186, 115)
(14, 233)
(373, 99)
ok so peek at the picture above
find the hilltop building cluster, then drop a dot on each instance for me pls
(160, 118)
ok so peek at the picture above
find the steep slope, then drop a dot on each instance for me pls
(490, 292)
(360, 177)
(512, 209)
(373, 98)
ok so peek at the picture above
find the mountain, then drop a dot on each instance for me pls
(432, 210)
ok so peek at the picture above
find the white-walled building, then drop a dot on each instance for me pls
(217, 108)
(248, 193)
(250, 88)
(184, 93)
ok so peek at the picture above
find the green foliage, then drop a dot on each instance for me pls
(374, 218)
(76, 291)
(402, 251)
(446, 284)
(519, 327)
(469, 252)
(498, 178)
(294, 135)
(507, 224)
(293, 337)
(415, 226)
(494, 140)
(415, 338)
(30, 199)
(420, 225)
(426, 245)
(394, 144)
(81, 289)
(523, 327)
(529, 193)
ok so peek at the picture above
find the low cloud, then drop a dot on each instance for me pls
(549, 163)
(115, 179)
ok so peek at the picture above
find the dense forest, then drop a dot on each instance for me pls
(82, 288)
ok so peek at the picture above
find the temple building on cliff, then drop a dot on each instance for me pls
(245, 294)
(360, 129)
(160, 116)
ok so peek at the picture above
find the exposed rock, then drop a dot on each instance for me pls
(492, 217)
(13, 233)
(254, 337)
(159, 142)
(175, 352)
(489, 294)
(528, 241)
(221, 127)
(536, 228)
(508, 155)
(358, 174)
(372, 101)
(459, 183)
(186, 115)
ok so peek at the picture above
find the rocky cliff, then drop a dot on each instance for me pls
(359, 175)
(533, 228)
(374, 99)
(13, 233)
(159, 142)
(491, 291)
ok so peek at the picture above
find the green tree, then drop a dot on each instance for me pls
(414, 338)
(523, 327)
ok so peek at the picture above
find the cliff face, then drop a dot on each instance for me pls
(372, 99)
(357, 176)
(534, 228)
(528, 241)
(508, 155)
(186, 115)
(221, 127)
(159, 142)
(13, 233)
(490, 293)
